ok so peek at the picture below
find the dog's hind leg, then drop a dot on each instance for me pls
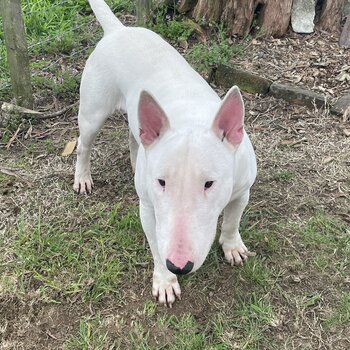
(98, 100)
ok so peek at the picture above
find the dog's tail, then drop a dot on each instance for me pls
(105, 16)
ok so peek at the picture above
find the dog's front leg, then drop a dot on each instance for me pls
(234, 249)
(165, 285)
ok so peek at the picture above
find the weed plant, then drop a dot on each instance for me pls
(205, 56)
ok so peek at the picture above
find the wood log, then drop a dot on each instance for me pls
(345, 35)
(331, 15)
(275, 17)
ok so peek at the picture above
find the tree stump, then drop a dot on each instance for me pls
(208, 10)
(331, 15)
(275, 17)
(239, 15)
(186, 5)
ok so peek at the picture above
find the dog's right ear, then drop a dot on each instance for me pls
(152, 119)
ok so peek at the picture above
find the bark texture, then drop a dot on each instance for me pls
(209, 10)
(331, 15)
(17, 52)
(239, 15)
(275, 16)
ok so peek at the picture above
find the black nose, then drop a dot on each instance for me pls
(174, 269)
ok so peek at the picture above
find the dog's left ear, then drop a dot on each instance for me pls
(228, 123)
(152, 119)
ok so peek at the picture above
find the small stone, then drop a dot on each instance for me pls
(341, 105)
(297, 95)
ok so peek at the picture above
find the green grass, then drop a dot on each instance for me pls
(254, 315)
(256, 272)
(89, 262)
(63, 84)
(326, 232)
(341, 314)
(91, 335)
(175, 30)
(106, 254)
(4, 179)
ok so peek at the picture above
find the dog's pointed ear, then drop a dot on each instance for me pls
(152, 119)
(229, 121)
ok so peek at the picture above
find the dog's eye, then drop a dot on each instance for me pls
(208, 184)
(161, 182)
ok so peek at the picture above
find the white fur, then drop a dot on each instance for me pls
(179, 221)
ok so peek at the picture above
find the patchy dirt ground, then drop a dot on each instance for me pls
(294, 294)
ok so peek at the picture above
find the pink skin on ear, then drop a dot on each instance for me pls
(152, 119)
(229, 120)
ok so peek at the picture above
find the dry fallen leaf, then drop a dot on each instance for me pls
(69, 148)
(327, 160)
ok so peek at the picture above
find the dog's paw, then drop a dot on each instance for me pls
(166, 289)
(83, 184)
(236, 253)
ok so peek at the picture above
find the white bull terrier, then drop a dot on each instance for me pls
(191, 155)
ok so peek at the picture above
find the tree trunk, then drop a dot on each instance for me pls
(143, 8)
(186, 5)
(208, 10)
(238, 15)
(331, 15)
(17, 52)
(275, 16)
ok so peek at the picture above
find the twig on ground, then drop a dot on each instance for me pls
(11, 108)
(13, 138)
(12, 172)
(9, 172)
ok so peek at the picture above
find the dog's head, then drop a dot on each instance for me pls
(188, 176)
